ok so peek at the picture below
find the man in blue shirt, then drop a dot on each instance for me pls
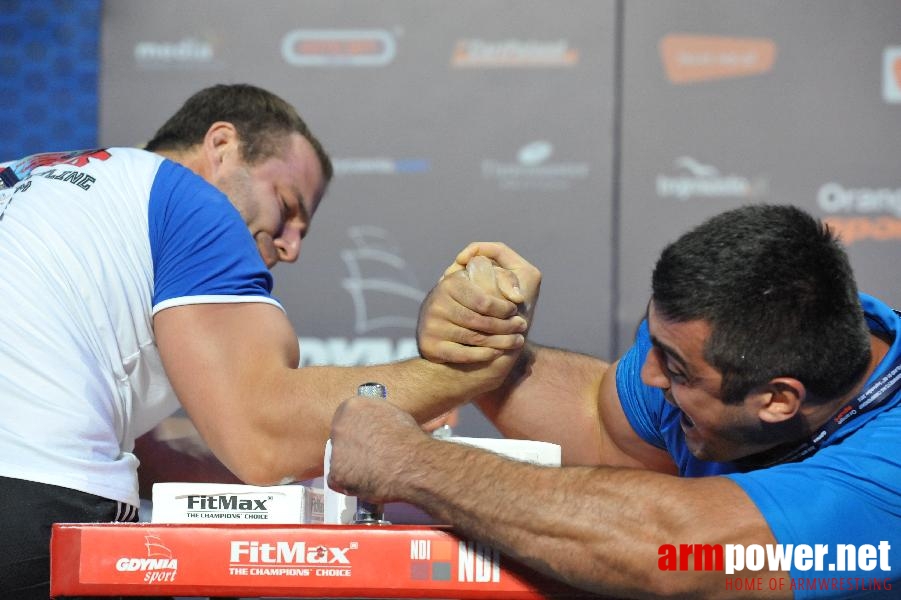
(747, 445)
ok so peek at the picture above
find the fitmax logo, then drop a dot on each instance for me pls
(295, 553)
(226, 503)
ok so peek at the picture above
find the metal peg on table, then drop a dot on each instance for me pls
(370, 513)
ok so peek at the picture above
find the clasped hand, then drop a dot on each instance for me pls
(481, 308)
(477, 318)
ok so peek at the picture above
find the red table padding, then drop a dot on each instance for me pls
(295, 561)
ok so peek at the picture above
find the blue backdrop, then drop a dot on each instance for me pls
(48, 75)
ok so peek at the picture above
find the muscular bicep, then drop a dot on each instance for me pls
(550, 396)
(620, 445)
(222, 361)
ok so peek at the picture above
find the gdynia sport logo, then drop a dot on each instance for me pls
(842, 567)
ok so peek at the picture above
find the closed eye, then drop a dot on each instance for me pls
(675, 376)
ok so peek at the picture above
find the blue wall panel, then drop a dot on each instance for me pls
(48, 75)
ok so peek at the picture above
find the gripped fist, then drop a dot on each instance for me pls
(518, 280)
(372, 442)
(481, 307)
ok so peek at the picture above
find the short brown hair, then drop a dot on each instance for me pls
(259, 116)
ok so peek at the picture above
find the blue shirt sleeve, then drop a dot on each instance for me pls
(642, 405)
(199, 244)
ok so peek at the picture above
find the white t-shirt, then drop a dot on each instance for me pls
(92, 245)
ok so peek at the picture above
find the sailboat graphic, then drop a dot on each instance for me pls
(384, 292)
(156, 548)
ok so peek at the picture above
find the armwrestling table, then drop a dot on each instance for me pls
(285, 561)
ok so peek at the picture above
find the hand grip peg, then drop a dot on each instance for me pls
(369, 513)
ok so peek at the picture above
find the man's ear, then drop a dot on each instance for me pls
(780, 400)
(220, 140)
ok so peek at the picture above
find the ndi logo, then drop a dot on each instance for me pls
(478, 563)
(433, 560)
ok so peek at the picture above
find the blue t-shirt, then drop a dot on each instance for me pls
(848, 492)
(217, 262)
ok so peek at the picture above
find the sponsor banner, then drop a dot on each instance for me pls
(859, 213)
(534, 170)
(379, 165)
(177, 502)
(261, 560)
(891, 74)
(385, 296)
(479, 53)
(339, 48)
(696, 180)
(859, 229)
(835, 198)
(186, 53)
(697, 58)
(347, 352)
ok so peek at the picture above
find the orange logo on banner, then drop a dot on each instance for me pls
(694, 58)
(896, 69)
(858, 229)
(476, 53)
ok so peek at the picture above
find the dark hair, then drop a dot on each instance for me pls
(259, 116)
(778, 291)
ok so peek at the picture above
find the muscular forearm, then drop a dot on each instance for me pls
(551, 395)
(284, 432)
(600, 529)
(233, 367)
